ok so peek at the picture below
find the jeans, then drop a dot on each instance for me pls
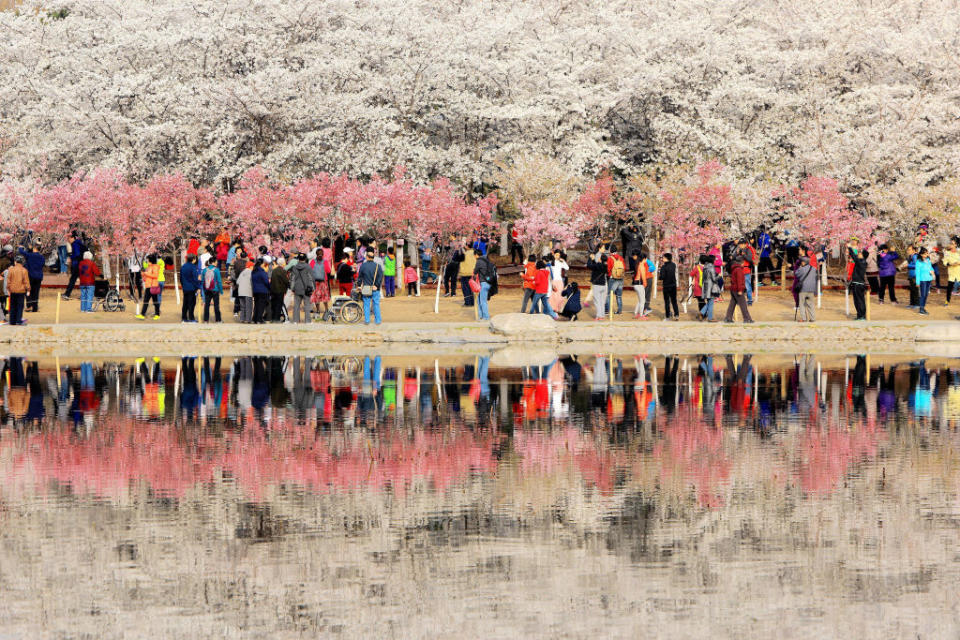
(63, 256)
(482, 301)
(707, 309)
(74, 276)
(86, 298)
(924, 292)
(372, 300)
(616, 288)
(208, 299)
(543, 299)
(389, 285)
(527, 297)
(467, 293)
(748, 281)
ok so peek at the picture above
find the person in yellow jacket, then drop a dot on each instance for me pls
(466, 272)
(951, 260)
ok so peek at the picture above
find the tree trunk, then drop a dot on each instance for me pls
(504, 238)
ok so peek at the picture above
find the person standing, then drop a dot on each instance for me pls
(951, 260)
(89, 272)
(279, 285)
(528, 275)
(77, 249)
(410, 278)
(887, 272)
(260, 283)
(389, 273)
(709, 287)
(212, 290)
(321, 290)
(738, 287)
(18, 286)
(161, 275)
(34, 262)
(244, 287)
(597, 264)
(765, 248)
(911, 265)
(516, 249)
(190, 283)
(858, 278)
(450, 271)
(924, 273)
(345, 273)
(668, 278)
(370, 278)
(640, 279)
(302, 284)
(466, 272)
(151, 287)
(873, 271)
(616, 267)
(485, 271)
(806, 278)
(135, 279)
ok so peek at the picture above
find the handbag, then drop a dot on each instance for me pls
(475, 283)
(155, 290)
(366, 290)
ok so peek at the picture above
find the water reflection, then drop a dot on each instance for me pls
(705, 461)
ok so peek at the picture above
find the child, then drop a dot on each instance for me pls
(390, 273)
(410, 277)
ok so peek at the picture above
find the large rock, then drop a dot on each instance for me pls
(523, 356)
(520, 326)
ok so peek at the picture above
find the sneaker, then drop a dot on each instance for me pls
(922, 312)
(64, 296)
(140, 317)
(156, 317)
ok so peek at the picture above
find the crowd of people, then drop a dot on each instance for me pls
(266, 285)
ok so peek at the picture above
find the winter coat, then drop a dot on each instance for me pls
(190, 277)
(886, 265)
(279, 281)
(859, 273)
(301, 279)
(708, 283)
(260, 281)
(469, 262)
(598, 270)
(35, 263)
(89, 271)
(18, 280)
(806, 279)
(484, 269)
(952, 261)
(738, 277)
(245, 284)
(370, 274)
(668, 275)
(924, 270)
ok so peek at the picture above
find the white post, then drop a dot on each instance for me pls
(756, 281)
(820, 281)
(118, 274)
(418, 279)
(176, 278)
(656, 274)
(436, 300)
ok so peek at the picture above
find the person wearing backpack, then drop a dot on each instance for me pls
(638, 260)
(211, 290)
(301, 283)
(616, 267)
(485, 271)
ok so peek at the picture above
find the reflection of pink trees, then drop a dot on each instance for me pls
(171, 462)
(543, 452)
(826, 455)
(693, 450)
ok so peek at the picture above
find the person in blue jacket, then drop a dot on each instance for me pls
(34, 263)
(260, 283)
(190, 283)
(924, 273)
(77, 249)
(912, 277)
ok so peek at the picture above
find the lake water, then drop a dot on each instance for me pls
(587, 497)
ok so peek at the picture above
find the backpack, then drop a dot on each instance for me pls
(318, 269)
(209, 280)
(618, 268)
(651, 266)
(494, 281)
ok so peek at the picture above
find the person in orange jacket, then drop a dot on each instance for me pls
(528, 275)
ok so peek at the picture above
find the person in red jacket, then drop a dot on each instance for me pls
(738, 288)
(541, 295)
(88, 274)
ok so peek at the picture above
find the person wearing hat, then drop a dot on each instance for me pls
(34, 262)
(18, 284)
(89, 272)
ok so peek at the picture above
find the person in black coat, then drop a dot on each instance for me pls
(34, 262)
(668, 278)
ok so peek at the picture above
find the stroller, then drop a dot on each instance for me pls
(106, 298)
(345, 308)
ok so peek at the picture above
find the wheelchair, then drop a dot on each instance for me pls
(105, 298)
(346, 309)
